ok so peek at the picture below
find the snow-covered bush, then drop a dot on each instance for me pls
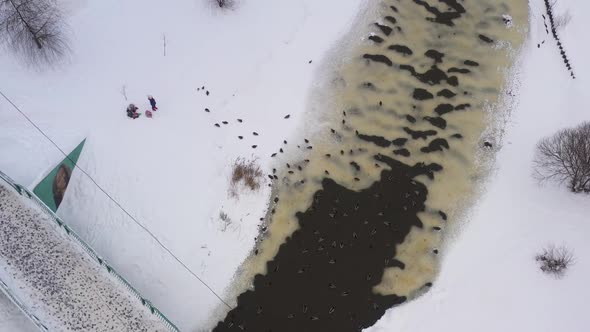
(565, 157)
(555, 260)
(34, 30)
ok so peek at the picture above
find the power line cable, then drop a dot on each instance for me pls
(115, 201)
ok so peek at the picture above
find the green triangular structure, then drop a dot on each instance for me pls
(52, 188)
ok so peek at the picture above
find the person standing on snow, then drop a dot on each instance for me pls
(153, 103)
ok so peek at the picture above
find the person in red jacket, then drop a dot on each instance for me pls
(132, 111)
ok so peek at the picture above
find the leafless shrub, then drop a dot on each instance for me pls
(561, 21)
(34, 30)
(565, 157)
(247, 172)
(225, 220)
(225, 4)
(555, 260)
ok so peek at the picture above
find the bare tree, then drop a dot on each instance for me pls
(34, 30)
(565, 157)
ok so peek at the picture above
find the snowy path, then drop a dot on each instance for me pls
(57, 280)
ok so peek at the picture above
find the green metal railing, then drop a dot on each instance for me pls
(145, 302)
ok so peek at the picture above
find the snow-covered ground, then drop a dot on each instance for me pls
(254, 60)
(170, 172)
(489, 280)
(12, 319)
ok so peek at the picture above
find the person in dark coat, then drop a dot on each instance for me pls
(132, 111)
(153, 103)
